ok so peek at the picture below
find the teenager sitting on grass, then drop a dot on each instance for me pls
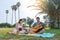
(37, 27)
(20, 27)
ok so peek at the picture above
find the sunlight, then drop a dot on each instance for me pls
(29, 12)
(24, 11)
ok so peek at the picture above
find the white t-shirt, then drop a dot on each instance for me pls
(20, 26)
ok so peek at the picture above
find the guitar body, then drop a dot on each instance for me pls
(36, 28)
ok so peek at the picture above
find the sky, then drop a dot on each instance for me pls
(24, 11)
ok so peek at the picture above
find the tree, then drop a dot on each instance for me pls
(14, 8)
(12, 14)
(18, 5)
(7, 15)
(52, 8)
(54, 12)
(4, 25)
(24, 19)
(46, 18)
(29, 21)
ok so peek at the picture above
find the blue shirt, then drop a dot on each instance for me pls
(36, 23)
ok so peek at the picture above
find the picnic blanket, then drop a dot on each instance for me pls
(44, 35)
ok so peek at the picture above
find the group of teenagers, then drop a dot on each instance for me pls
(36, 28)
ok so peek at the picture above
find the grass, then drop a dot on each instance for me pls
(5, 36)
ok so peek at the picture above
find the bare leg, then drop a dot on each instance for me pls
(30, 31)
(22, 32)
(17, 32)
(42, 31)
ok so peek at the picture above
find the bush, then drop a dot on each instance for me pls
(6, 25)
(13, 25)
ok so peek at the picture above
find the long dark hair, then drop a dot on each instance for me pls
(20, 20)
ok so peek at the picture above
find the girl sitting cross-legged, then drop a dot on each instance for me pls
(20, 27)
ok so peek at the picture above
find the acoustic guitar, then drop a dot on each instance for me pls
(36, 28)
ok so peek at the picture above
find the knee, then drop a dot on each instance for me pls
(42, 31)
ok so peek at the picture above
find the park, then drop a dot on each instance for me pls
(47, 10)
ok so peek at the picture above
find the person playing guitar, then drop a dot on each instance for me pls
(37, 27)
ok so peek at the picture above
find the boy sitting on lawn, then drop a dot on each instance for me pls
(37, 27)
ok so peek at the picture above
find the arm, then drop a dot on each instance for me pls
(33, 25)
(16, 26)
(17, 32)
(43, 25)
(23, 27)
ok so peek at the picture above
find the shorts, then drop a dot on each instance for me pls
(20, 29)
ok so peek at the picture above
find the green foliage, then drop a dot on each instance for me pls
(29, 21)
(13, 25)
(52, 8)
(6, 25)
(27, 24)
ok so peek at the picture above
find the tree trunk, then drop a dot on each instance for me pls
(54, 22)
(18, 14)
(6, 19)
(15, 16)
(12, 17)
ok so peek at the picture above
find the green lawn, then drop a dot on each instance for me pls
(5, 36)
